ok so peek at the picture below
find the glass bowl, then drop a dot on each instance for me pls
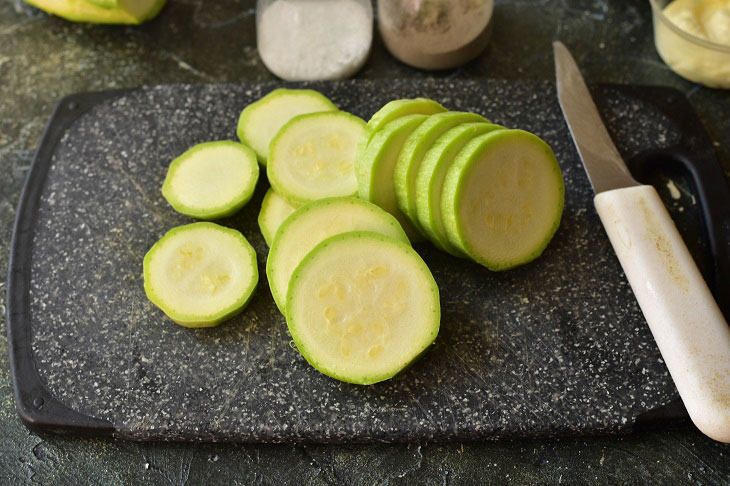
(692, 57)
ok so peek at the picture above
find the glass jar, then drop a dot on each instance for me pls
(301, 40)
(692, 57)
(435, 34)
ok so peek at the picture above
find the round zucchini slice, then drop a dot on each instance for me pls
(414, 148)
(313, 157)
(375, 168)
(502, 198)
(211, 180)
(311, 224)
(274, 210)
(362, 306)
(200, 274)
(392, 111)
(398, 108)
(260, 121)
(430, 180)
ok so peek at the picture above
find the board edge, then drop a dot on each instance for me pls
(37, 408)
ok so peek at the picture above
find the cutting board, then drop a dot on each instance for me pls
(556, 347)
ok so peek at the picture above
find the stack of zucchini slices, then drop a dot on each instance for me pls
(360, 303)
(473, 188)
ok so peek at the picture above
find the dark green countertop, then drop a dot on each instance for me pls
(43, 58)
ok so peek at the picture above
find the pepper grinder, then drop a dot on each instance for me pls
(435, 34)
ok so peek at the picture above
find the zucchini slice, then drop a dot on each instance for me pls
(430, 180)
(274, 210)
(399, 108)
(414, 148)
(392, 111)
(313, 157)
(502, 198)
(375, 173)
(261, 120)
(211, 180)
(200, 274)
(362, 306)
(311, 224)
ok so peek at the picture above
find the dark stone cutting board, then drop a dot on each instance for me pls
(555, 347)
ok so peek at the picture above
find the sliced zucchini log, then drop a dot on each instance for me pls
(200, 274)
(211, 180)
(260, 121)
(430, 179)
(274, 210)
(414, 148)
(362, 306)
(313, 157)
(311, 224)
(375, 168)
(502, 198)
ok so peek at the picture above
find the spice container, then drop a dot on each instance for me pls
(693, 38)
(435, 34)
(304, 40)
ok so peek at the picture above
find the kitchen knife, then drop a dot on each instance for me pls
(684, 318)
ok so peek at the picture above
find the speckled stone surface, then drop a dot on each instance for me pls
(552, 348)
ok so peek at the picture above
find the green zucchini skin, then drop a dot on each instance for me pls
(261, 112)
(392, 111)
(280, 160)
(188, 320)
(269, 222)
(411, 156)
(345, 242)
(98, 11)
(430, 181)
(370, 217)
(375, 168)
(229, 208)
(459, 176)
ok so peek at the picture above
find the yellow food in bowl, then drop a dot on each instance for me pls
(693, 38)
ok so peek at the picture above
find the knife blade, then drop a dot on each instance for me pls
(605, 168)
(687, 325)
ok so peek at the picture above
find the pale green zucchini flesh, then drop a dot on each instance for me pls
(430, 181)
(392, 111)
(311, 224)
(274, 210)
(375, 168)
(414, 148)
(260, 121)
(313, 157)
(211, 180)
(362, 306)
(200, 274)
(503, 198)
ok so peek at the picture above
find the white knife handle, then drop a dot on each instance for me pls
(684, 318)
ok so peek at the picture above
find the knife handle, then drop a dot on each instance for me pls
(713, 194)
(684, 318)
